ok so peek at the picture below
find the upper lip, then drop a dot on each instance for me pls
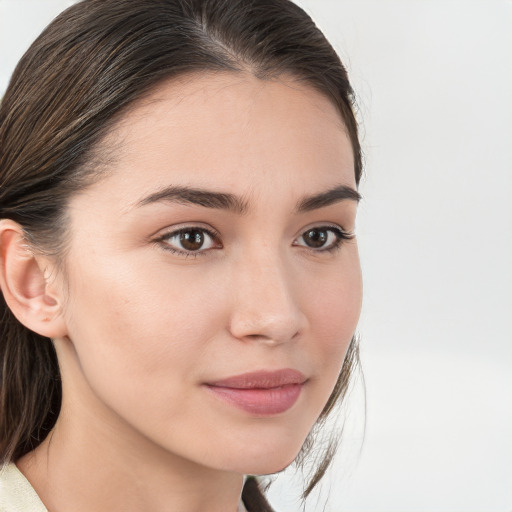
(265, 379)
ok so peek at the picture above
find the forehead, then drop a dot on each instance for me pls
(232, 132)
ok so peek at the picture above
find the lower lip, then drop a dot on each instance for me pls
(258, 401)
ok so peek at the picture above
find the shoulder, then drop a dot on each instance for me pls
(16, 493)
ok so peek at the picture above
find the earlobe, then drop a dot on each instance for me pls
(27, 285)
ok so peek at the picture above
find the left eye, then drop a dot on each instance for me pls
(323, 238)
(189, 240)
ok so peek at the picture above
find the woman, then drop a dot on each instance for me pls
(181, 283)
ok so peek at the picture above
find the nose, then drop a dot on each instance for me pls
(266, 305)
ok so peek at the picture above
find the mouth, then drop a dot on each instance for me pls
(263, 393)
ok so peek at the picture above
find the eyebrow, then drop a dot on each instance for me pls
(231, 202)
(323, 199)
(197, 196)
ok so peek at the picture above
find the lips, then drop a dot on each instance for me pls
(262, 393)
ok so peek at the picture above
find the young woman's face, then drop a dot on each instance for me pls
(212, 280)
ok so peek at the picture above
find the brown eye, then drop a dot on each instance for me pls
(190, 240)
(315, 238)
(323, 238)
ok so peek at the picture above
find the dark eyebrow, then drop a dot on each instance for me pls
(323, 199)
(226, 201)
(196, 196)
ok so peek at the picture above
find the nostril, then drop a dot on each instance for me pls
(274, 337)
(260, 337)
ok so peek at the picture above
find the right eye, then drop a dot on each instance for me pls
(189, 241)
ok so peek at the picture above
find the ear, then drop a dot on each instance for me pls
(28, 284)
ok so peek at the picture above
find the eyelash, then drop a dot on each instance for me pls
(341, 237)
(162, 240)
(340, 234)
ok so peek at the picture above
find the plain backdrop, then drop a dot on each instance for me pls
(434, 85)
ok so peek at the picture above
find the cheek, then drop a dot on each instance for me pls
(334, 298)
(333, 308)
(139, 336)
(127, 306)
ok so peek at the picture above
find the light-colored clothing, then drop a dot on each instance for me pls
(17, 495)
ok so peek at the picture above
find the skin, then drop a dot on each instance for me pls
(143, 327)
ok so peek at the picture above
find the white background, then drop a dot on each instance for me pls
(434, 85)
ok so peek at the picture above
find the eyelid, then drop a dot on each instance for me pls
(342, 235)
(176, 228)
(170, 232)
(327, 225)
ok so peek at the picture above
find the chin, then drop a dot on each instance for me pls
(260, 460)
(268, 469)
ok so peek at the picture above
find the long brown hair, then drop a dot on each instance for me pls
(84, 71)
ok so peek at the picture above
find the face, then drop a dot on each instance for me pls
(212, 279)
